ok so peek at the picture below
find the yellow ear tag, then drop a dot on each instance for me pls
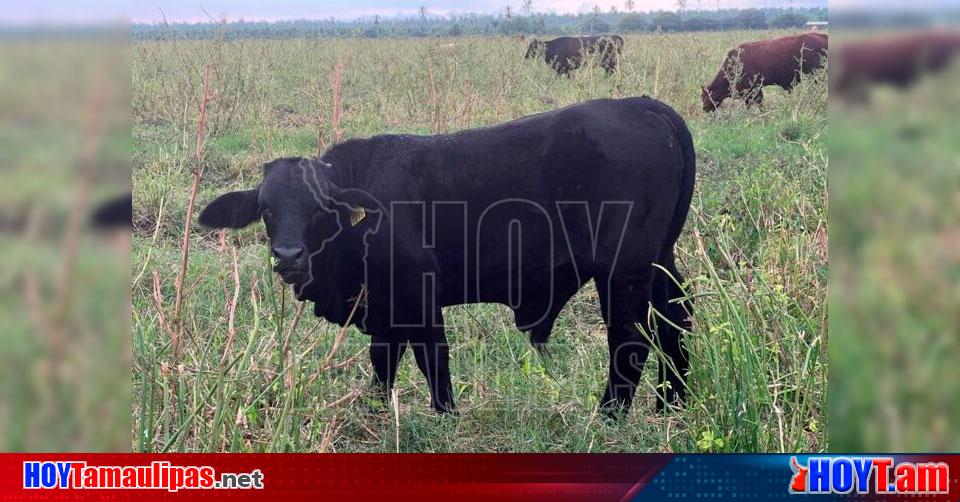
(357, 216)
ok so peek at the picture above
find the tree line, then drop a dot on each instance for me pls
(506, 23)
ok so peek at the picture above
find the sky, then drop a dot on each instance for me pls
(149, 11)
(146, 11)
(189, 10)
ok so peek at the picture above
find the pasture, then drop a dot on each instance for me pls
(250, 373)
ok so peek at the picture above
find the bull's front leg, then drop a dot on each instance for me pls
(755, 98)
(429, 345)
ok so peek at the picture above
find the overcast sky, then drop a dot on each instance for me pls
(83, 11)
(189, 10)
(193, 10)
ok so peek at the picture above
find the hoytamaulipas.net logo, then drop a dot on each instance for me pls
(159, 475)
(874, 475)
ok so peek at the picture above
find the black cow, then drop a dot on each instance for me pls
(523, 214)
(568, 53)
(114, 213)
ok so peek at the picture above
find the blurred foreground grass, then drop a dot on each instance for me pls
(895, 269)
(64, 297)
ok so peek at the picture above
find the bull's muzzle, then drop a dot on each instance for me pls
(291, 262)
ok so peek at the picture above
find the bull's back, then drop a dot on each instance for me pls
(585, 150)
(778, 60)
(549, 177)
(564, 48)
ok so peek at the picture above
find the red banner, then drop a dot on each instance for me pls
(290, 477)
(580, 477)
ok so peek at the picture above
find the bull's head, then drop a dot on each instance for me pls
(712, 98)
(303, 210)
(534, 48)
(716, 92)
(708, 104)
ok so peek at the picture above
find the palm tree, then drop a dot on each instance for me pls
(629, 5)
(527, 7)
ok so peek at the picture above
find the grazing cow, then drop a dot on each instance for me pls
(897, 60)
(523, 214)
(568, 53)
(767, 62)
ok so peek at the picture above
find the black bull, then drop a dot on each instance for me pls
(568, 53)
(523, 214)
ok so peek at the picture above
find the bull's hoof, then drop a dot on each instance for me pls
(672, 400)
(446, 409)
(613, 411)
(661, 406)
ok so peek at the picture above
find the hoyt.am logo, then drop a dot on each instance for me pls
(876, 475)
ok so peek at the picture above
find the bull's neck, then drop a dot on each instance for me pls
(344, 174)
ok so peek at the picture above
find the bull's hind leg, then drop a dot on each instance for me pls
(385, 354)
(755, 97)
(565, 284)
(624, 303)
(674, 369)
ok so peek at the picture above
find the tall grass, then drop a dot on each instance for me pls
(753, 253)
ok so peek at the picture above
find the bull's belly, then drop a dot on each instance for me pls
(513, 291)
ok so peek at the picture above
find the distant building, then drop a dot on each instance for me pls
(817, 25)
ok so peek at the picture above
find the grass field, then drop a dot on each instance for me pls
(753, 250)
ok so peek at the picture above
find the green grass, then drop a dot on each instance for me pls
(753, 252)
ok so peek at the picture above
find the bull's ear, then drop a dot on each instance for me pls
(362, 207)
(232, 210)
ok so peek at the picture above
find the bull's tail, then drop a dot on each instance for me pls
(666, 282)
(688, 177)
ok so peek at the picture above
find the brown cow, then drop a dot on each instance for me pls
(776, 61)
(567, 53)
(897, 60)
